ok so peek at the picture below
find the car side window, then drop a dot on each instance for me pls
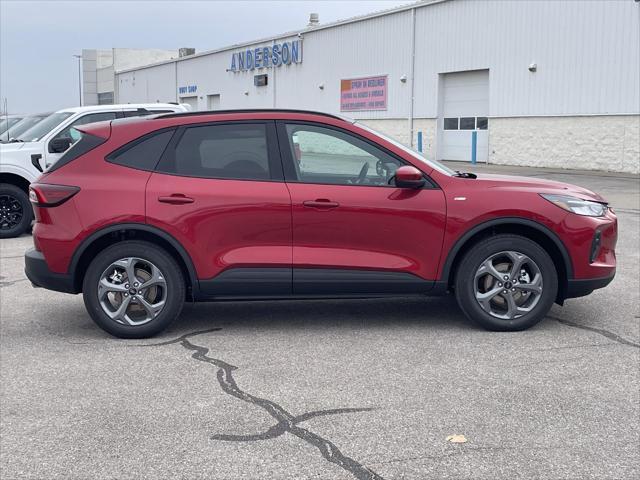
(328, 156)
(143, 153)
(236, 151)
(74, 135)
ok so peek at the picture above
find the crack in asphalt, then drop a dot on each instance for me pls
(8, 283)
(286, 422)
(606, 333)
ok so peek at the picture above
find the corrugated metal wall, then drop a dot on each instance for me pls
(587, 55)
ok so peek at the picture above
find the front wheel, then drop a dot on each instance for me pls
(133, 289)
(506, 283)
(16, 213)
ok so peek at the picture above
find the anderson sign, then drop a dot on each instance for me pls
(270, 56)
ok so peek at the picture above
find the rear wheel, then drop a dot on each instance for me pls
(506, 283)
(133, 289)
(16, 213)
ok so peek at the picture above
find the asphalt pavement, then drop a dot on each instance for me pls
(327, 389)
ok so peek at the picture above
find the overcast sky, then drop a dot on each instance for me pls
(39, 38)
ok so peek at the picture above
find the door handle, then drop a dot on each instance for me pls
(175, 199)
(321, 203)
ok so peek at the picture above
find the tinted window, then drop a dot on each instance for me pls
(467, 123)
(481, 123)
(143, 153)
(220, 151)
(451, 124)
(324, 155)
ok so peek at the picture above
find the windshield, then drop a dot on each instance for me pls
(417, 155)
(40, 129)
(6, 123)
(21, 127)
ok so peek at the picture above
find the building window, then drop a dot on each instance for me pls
(481, 123)
(451, 124)
(105, 98)
(467, 123)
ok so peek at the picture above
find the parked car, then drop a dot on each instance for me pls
(22, 160)
(8, 121)
(22, 126)
(142, 214)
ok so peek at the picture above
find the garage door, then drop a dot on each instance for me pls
(464, 110)
(192, 101)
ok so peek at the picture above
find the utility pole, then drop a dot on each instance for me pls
(79, 57)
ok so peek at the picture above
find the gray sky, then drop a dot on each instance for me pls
(38, 38)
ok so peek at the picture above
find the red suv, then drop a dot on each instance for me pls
(143, 214)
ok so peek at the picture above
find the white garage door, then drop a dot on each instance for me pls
(464, 110)
(192, 101)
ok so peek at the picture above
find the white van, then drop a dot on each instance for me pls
(23, 159)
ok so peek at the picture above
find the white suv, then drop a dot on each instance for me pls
(23, 159)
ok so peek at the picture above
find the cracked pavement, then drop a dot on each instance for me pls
(326, 389)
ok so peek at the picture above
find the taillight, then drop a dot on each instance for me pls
(47, 195)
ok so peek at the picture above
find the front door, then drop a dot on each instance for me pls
(218, 189)
(354, 232)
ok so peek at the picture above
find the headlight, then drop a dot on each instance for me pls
(577, 205)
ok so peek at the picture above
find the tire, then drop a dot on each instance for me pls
(141, 257)
(517, 305)
(13, 200)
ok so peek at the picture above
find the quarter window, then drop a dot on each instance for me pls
(144, 153)
(220, 151)
(327, 156)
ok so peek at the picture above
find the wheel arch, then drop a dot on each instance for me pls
(533, 230)
(15, 179)
(113, 234)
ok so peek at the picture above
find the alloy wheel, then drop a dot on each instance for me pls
(132, 291)
(508, 285)
(10, 212)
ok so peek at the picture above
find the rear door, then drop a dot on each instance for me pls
(219, 190)
(354, 232)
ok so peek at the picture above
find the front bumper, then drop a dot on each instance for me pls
(582, 287)
(37, 271)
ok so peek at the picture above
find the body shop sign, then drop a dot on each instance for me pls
(368, 93)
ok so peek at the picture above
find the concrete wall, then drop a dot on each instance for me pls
(609, 143)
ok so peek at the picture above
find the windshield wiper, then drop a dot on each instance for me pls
(465, 174)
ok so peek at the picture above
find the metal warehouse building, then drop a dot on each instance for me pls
(537, 83)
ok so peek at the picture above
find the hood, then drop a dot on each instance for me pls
(33, 147)
(539, 185)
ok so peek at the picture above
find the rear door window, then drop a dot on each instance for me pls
(231, 151)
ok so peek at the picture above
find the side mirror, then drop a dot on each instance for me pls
(409, 177)
(59, 145)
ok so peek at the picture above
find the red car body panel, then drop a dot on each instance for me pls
(228, 225)
(235, 223)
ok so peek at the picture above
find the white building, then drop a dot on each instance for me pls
(542, 83)
(99, 67)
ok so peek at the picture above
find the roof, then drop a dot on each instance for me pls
(102, 108)
(309, 29)
(252, 110)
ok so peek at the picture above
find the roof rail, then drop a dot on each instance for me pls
(249, 110)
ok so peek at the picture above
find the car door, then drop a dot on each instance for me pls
(354, 232)
(219, 190)
(70, 136)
